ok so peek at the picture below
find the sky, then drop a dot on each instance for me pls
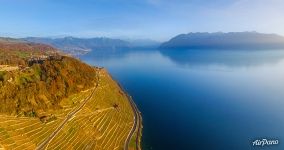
(138, 19)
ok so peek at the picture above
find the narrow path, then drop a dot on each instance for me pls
(70, 115)
(136, 125)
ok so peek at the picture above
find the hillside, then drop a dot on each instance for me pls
(219, 40)
(41, 77)
(15, 52)
(50, 101)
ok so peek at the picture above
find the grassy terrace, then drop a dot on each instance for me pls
(103, 123)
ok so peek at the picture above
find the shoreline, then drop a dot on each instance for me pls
(138, 129)
(139, 126)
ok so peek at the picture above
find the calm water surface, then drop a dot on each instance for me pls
(203, 99)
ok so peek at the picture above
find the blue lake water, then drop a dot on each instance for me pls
(202, 99)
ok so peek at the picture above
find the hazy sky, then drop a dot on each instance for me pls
(155, 19)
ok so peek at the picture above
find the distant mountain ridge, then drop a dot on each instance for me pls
(220, 40)
(80, 45)
(77, 46)
(10, 40)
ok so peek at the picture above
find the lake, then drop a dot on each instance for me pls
(202, 99)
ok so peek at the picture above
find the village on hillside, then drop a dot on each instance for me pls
(29, 60)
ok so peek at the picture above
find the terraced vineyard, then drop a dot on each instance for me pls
(99, 118)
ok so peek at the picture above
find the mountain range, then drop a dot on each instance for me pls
(219, 40)
(77, 46)
(80, 45)
(198, 40)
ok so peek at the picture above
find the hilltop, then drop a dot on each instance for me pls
(41, 76)
(219, 40)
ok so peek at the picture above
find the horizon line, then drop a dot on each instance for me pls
(125, 38)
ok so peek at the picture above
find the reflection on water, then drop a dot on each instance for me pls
(207, 99)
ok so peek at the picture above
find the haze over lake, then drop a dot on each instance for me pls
(202, 99)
